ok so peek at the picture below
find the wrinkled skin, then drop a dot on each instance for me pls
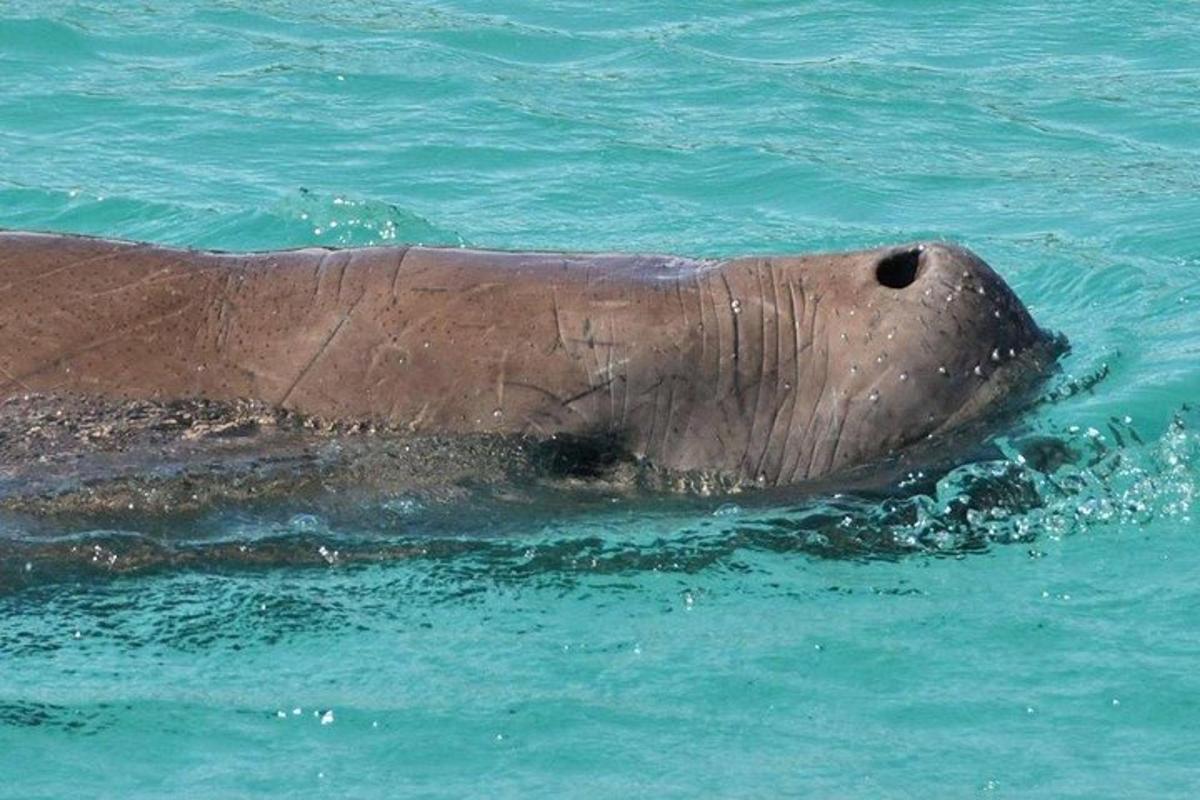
(777, 370)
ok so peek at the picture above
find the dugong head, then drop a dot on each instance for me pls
(849, 358)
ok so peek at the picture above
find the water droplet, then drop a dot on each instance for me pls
(996, 355)
(978, 370)
(943, 370)
(891, 335)
(879, 358)
(1012, 353)
(853, 369)
(949, 297)
(996, 313)
(736, 306)
(903, 376)
(845, 337)
(874, 395)
(426, 344)
(327, 717)
(497, 413)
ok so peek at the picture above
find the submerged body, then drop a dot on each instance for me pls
(775, 370)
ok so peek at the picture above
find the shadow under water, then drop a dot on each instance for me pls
(1038, 482)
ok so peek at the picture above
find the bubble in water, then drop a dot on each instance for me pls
(996, 355)
(978, 370)
(874, 395)
(327, 717)
(903, 376)
(736, 305)
(304, 523)
(942, 369)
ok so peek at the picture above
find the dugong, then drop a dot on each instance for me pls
(767, 370)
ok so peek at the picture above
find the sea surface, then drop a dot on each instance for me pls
(1027, 627)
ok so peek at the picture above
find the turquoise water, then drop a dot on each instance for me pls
(1026, 628)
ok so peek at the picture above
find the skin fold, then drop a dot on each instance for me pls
(771, 369)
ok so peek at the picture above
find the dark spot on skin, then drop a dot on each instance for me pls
(571, 456)
(898, 270)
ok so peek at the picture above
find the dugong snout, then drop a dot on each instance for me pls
(904, 342)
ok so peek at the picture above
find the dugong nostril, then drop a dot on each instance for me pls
(898, 270)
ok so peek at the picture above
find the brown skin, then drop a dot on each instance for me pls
(771, 369)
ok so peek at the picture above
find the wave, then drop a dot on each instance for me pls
(301, 218)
